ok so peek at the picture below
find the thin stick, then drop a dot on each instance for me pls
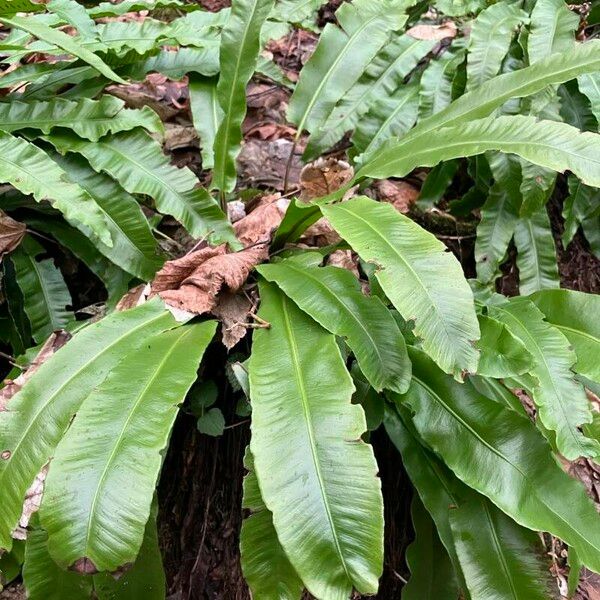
(288, 166)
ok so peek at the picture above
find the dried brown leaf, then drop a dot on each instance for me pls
(324, 176)
(345, 259)
(134, 297)
(232, 310)
(433, 32)
(193, 282)
(258, 226)
(11, 233)
(31, 504)
(400, 194)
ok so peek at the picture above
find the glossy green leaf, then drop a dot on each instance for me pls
(552, 29)
(316, 475)
(265, 565)
(490, 38)
(549, 144)
(536, 187)
(134, 248)
(44, 579)
(482, 102)
(424, 282)
(10, 7)
(500, 559)
(240, 43)
(145, 579)
(341, 57)
(574, 108)
(206, 114)
(41, 412)
(432, 576)
(589, 85)
(11, 563)
(64, 41)
(561, 400)
(536, 258)
(390, 115)
(503, 456)
(502, 353)
(74, 14)
(435, 90)
(432, 480)
(575, 315)
(137, 162)
(332, 297)
(109, 9)
(212, 422)
(582, 209)
(383, 77)
(104, 471)
(44, 290)
(458, 8)
(31, 171)
(90, 119)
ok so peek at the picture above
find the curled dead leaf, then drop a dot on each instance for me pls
(344, 259)
(134, 297)
(232, 310)
(324, 176)
(258, 226)
(192, 283)
(11, 233)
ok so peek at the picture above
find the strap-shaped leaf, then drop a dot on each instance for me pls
(502, 354)
(104, 471)
(575, 314)
(582, 208)
(115, 280)
(10, 7)
(341, 57)
(31, 171)
(432, 576)
(64, 41)
(499, 558)
(75, 14)
(435, 90)
(536, 187)
(433, 481)
(549, 144)
(45, 292)
(327, 509)
(108, 9)
(137, 162)
(43, 578)
(561, 400)
(536, 259)
(503, 456)
(499, 216)
(489, 41)
(134, 248)
(589, 85)
(333, 298)
(40, 413)
(206, 114)
(145, 579)
(423, 281)
(89, 119)
(240, 43)
(388, 116)
(383, 77)
(266, 568)
(482, 102)
(552, 29)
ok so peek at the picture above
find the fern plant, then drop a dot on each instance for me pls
(432, 356)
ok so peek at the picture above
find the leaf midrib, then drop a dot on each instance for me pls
(304, 401)
(155, 375)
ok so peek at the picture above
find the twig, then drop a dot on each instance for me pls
(288, 166)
